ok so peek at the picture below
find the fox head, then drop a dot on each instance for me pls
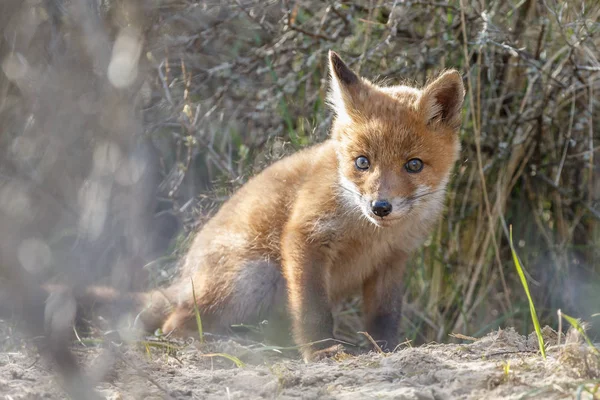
(396, 145)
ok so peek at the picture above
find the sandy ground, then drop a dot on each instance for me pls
(503, 364)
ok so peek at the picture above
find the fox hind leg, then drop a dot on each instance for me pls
(256, 293)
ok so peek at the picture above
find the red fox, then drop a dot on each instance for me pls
(338, 217)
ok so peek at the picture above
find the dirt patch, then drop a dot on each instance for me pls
(503, 364)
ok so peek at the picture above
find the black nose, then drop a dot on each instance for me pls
(381, 208)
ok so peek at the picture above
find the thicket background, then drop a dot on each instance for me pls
(103, 178)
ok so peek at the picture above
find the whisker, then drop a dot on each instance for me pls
(413, 198)
(349, 190)
(356, 208)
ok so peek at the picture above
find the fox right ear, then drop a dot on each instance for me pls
(340, 71)
(345, 89)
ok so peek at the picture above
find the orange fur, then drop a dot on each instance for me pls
(301, 235)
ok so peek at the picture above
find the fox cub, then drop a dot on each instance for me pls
(335, 218)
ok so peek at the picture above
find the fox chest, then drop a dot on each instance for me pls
(356, 261)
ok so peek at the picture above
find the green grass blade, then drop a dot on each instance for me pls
(197, 314)
(239, 363)
(575, 324)
(534, 317)
(285, 112)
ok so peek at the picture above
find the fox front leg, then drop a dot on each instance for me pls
(382, 302)
(309, 306)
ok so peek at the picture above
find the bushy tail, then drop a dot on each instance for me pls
(148, 309)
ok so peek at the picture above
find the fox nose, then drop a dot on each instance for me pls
(381, 208)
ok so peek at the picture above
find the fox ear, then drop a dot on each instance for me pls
(345, 88)
(441, 101)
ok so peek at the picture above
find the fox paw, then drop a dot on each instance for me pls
(317, 355)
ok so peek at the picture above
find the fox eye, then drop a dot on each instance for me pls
(362, 163)
(414, 165)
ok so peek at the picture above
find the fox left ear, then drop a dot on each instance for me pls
(442, 100)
